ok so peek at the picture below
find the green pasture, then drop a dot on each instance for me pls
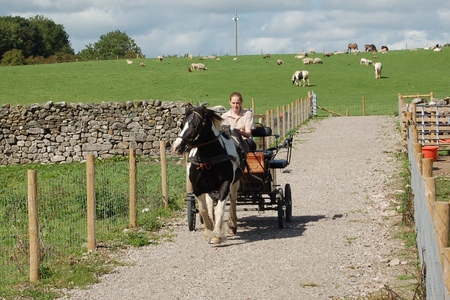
(339, 79)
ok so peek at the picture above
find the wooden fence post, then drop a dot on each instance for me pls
(446, 266)
(363, 106)
(33, 225)
(418, 155)
(427, 167)
(271, 124)
(162, 148)
(91, 202)
(278, 127)
(430, 192)
(133, 173)
(441, 223)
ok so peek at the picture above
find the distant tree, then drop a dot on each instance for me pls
(88, 53)
(116, 44)
(36, 36)
(19, 33)
(54, 37)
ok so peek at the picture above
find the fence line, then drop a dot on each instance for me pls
(343, 105)
(432, 218)
(427, 237)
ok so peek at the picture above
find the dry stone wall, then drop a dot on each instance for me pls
(66, 132)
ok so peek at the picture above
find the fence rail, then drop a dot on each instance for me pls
(432, 218)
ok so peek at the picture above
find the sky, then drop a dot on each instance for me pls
(207, 27)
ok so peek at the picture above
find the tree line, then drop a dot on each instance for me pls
(37, 40)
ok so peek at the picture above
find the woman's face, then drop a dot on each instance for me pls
(235, 103)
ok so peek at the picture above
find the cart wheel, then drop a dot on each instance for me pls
(281, 209)
(288, 201)
(191, 214)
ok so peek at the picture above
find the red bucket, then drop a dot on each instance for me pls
(430, 152)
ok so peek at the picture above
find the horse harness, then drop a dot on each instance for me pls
(207, 162)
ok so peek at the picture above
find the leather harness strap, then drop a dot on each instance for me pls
(210, 160)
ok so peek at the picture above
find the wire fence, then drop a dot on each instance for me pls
(354, 106)
(426, 238)
(61, 193)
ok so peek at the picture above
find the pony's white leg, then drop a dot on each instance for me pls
(232, 219)
(219, 231)
(210, 206)
(203, 210)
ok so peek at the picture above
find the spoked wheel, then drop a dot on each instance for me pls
(191, 212)
(288, 202)
(281, 208)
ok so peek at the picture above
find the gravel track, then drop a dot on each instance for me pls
(341, 244)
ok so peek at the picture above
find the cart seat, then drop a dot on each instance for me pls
(261, 131)
(277, 163)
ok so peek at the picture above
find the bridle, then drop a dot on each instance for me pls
(191, 141)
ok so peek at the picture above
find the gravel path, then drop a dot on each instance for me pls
(341, 243)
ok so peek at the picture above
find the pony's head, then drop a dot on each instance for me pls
(199, 126)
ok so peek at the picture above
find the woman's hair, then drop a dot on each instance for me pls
(238, 95)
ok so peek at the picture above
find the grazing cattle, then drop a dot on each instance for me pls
(370, 48)
(377, 67)
(437, 49)
(216, 164)
(267, 55)
(352, 47)
(159, 58)
(300, 76)
(129, 62)
(141, 64)
(280, 61)
(190, 56)
(384, 48)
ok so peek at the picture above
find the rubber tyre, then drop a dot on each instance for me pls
(288, 202)
(281, 210)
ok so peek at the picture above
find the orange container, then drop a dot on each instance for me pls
(430, 152)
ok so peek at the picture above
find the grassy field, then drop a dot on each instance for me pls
(341, 78)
